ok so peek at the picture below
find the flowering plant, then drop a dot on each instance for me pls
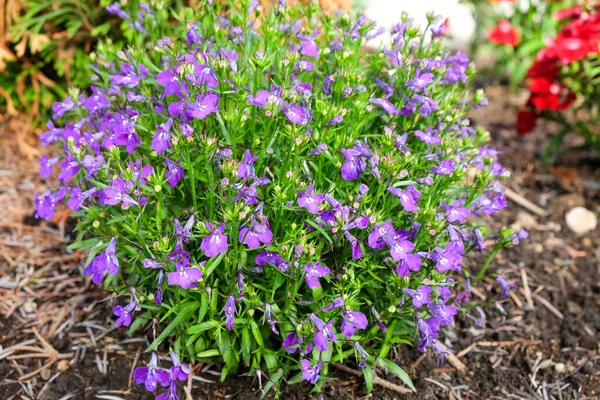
(552, 47)
(513, 32)
(267, 193)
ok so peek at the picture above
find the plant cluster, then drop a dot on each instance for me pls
(265, 192)
(553, 48)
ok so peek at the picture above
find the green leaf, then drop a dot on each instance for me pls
(224, 344)
(295, 379)
(215, 263)
(204, 326)
(181, 317)
(246, 344)
(257, 334)
(320, 230)
(209, 353)
(84, 244)
(368, 374)
(275, 378)
(399, 372)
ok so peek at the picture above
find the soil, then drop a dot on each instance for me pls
(540, 343)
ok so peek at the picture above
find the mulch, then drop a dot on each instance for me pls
(58, 339)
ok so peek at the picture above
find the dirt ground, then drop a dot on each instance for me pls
(58, 340)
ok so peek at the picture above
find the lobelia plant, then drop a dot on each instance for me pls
(268, 194)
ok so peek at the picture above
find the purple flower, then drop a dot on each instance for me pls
(356, 249)
(321, 148)
(246, 166)
(184, 276)
(388, 107)
(129, 77)
(296, 114)
(420, 80)
(174, 173)
(69, 168)
(363, 355)
(183, 233)
(258, 233)
(92, 164)
(429, 136)
(354, 165)
(171, 83)
(292, 342)
(309, 48)
(229, 310)
(335, 120)
(464, 296)
(59, 108)
(205, 105)
(271, 258)
(118, 194)
(151, 376)
(151, 264)
(313, 271)
(124, 313)
(352, 320)
(104, 262)
(203, 75)
(456, 212)
(443, 313)
(310, 374)
(115, 9)
(45, 205)
(179, 372)
(446, 167)
(399, 249)
(412, 262)
(428, 106)
(338, 302)
(420, 297)
(216, 242)
(309, 201)
(447, 259)
(324, 333)
(171, 394)
(518, 236)
(505, 286)
(46, 165)
(429, 331)
(78, 197)
(379, 235)
(162, 138)
(408, 197)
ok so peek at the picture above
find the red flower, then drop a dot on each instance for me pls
(504, 33)
(526, 121)
(568, 13)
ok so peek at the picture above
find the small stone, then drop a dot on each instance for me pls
(574, 307)
(588, 368)
(545, 364)
(62, 366)
(581, 220)
(561, 368)
(587, 242)
(538, 248)
(525, 221)
(45, 374)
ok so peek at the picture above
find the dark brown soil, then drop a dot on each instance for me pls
(541, 343)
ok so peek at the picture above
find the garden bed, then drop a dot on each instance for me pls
(545, 346)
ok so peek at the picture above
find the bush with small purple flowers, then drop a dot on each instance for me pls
(270, 195)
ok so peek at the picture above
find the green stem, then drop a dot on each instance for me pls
(487, 262)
